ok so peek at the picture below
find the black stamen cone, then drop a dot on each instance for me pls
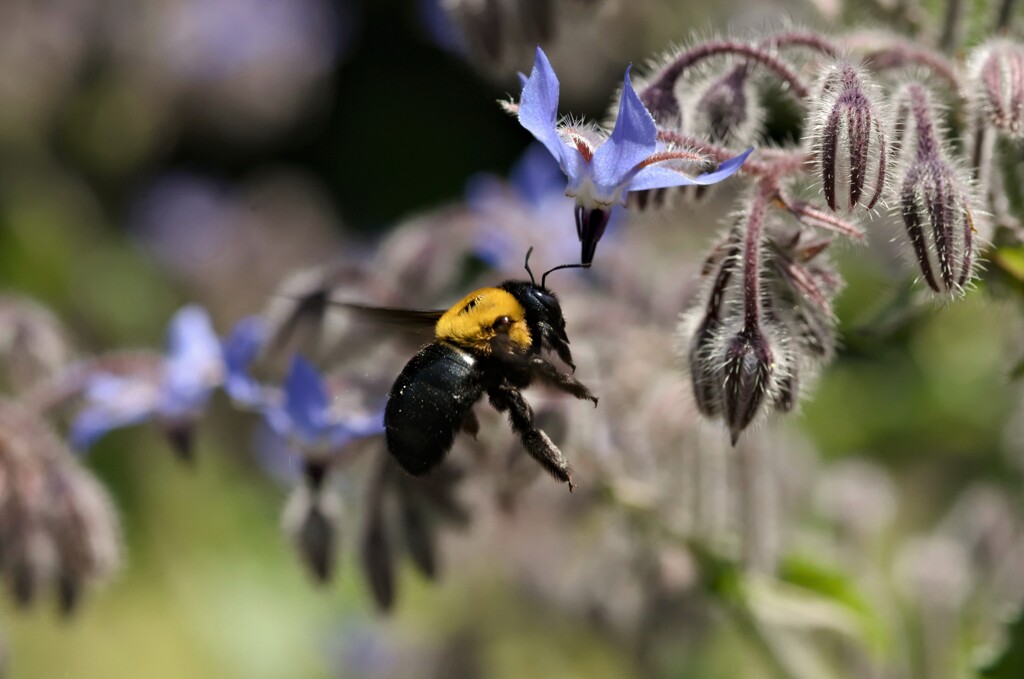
(590, 226)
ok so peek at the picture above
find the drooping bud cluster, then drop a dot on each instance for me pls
(848, 138)
(57, 527)
(764, 323)
(997, 70)
(935, 197)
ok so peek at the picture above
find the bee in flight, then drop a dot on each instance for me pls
(491, 342)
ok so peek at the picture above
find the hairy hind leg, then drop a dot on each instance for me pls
(509, 399)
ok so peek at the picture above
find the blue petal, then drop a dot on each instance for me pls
(190, 337)
(194, 365)
(305, 400)
(536, 176)
(657, 177)
(240, 349)
(538, 113)
(633, 139)
(113, 402)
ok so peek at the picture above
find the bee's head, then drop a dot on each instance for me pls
(543, 312)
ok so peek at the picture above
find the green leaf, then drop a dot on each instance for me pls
(828, 583)
(1009, 663)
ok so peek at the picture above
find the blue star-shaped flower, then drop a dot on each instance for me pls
(305, 419)
(601, 173)
(175, 393)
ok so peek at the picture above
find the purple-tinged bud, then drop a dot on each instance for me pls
(849, 138)
(33, 344)
(705, 374)
(376, 556)
(997, 75)
(57, 526)
(940, 223)
(936, 198)
(419, 536)
(726, 109)
(377, 560)
(311, 520)
(749, 369)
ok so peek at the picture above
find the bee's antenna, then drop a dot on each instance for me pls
(527, 265)
(562, 266)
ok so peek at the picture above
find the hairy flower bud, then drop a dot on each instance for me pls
(940, 224)
(57, 526)
(311, 520)
(749, 367)
(849, 139)
(705, 375)
(764, 324)
(33, 344)
(935, 197)
(726, 109)
(997, 75)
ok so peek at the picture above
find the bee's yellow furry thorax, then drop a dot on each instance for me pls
(471, 322)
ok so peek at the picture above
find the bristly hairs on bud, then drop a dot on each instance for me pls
(848, 137)
(996, 71)
(736, 358)
(996, 98)
(936, 197)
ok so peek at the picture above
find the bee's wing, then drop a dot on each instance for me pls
(311, 308)
(413, 319)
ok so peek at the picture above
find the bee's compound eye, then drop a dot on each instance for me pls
(502, 324)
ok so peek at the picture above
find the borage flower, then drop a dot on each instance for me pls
(601, 172)
(175, 393)
(305, 419)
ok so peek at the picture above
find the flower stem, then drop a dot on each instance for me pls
(666, 80)
(775, 163)
(752, 257)
(899, 55)
(802, 39)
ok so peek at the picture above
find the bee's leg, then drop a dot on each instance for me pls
(470, 423)
(506, 398)
(548, 373)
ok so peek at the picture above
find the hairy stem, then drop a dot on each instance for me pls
(670, 74)
(900, 56)
(752, 256)
(807, 39)
(775, 163)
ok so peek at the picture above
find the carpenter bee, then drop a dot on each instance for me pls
(489, 343)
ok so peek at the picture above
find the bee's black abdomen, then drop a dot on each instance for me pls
(428, 405)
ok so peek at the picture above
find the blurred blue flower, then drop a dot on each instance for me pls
(305, 419)
(240, 348)
(601, 172)
(176, 394)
